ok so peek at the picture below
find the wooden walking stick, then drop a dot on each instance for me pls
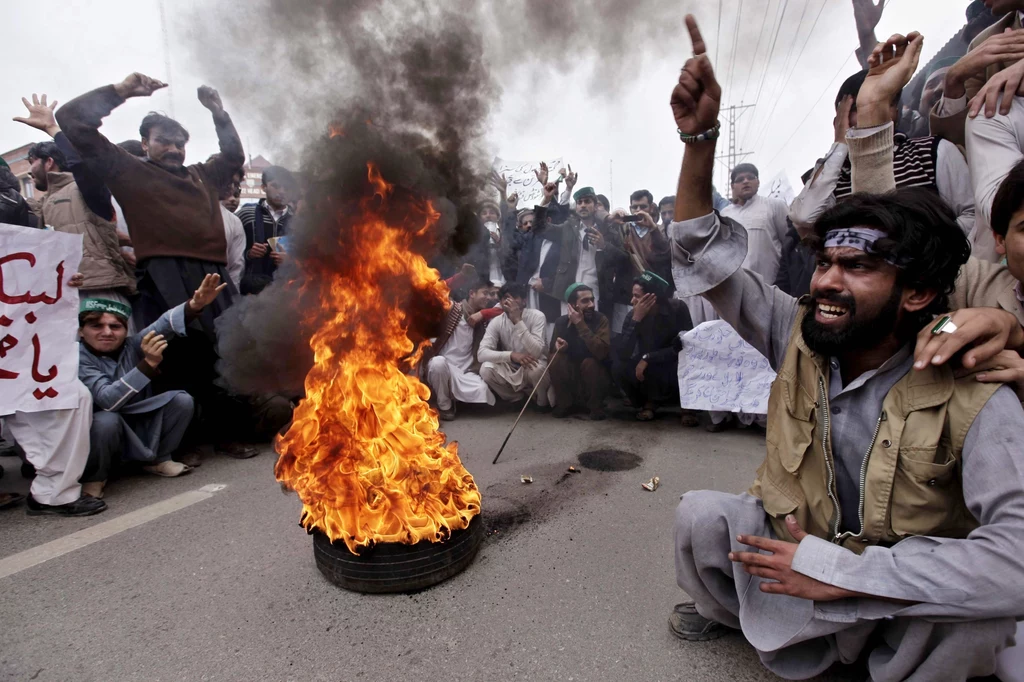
(539, 382)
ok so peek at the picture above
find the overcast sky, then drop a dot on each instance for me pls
(625, 144)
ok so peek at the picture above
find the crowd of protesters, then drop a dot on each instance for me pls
(164, 254)
(846, 290)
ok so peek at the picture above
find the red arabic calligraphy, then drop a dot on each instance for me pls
(28, 297)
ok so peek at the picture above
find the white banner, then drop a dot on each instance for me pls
(523, 181)
(38, 319)
(720, 372)
(779, 188)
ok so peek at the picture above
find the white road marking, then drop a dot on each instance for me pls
(83, 538)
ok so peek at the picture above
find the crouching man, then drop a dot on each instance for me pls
(512, 351)
(130, 422)
(887, 518)
(452, 368)
(579, 376)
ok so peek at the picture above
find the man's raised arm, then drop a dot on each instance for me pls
(707, 250)
(232, 156)
(81, 118)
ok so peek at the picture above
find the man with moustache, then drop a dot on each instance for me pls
(764, 219)
(886, 517)
(579, 374)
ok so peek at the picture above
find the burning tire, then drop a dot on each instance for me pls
(398, 568)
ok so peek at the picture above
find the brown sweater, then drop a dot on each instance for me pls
(168, 214)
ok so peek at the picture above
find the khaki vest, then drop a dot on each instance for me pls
(64, 209)
(911, 480)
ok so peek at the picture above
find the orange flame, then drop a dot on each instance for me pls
(336, 131)
(364, 452)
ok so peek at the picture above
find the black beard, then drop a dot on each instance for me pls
(858, 334)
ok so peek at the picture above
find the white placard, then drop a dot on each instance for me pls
(720, 372)
(779, 188)
(523, 181)
(38, 319)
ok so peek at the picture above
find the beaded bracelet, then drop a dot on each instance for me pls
(707, 135)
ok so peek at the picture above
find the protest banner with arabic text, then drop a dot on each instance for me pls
(523, 181)
(38, 319)
(720, 372)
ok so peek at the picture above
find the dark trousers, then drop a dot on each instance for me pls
(579, 383)
(156, 435)
(660, 384)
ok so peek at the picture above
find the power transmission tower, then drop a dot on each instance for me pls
(730, 117)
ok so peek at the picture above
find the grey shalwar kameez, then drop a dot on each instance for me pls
(964, 594)
(129, 422)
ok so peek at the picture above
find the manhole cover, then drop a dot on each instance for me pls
(610, 460)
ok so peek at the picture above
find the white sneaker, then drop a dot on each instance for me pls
(168, 469)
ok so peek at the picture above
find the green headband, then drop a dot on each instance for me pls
(105, 305)
(584, 192)
(572, 290)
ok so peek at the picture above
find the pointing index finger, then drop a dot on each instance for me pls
(695, 37)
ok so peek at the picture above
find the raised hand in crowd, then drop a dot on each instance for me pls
(550, 191)
(499, 182)
(542, 174)
(867, 14)
(697, 98)
(138, 85)
(570, 178)
(1000, 90)
(207, 292)
(841, 123)
(210, 99)
(695, 102)
(644, 307)
(77, 280)
(153, 347)
(513, 200)
(1005, 47)
(40, 115)
(891, 66)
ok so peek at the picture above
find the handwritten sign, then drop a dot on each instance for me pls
(523, 181)
(779, 188)
(38, 319)
(720, 372)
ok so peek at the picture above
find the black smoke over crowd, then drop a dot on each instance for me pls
(406, 86)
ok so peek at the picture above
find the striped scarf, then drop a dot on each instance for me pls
(914, 162)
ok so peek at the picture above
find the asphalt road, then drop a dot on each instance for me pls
(577, 583)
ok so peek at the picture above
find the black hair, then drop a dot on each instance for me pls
(514, 289)
(48, 150)
(851, 86)
(670, 199)
(576, 293)
(279, 174)
(922, 232)
(640, 194)
(155, 119)
(481, 283)
(1008, 200)
(133, 147)
(655, 287)
(603, 200)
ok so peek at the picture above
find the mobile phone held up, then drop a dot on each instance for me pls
(637, 218)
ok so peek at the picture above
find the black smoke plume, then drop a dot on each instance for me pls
(410, 87)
